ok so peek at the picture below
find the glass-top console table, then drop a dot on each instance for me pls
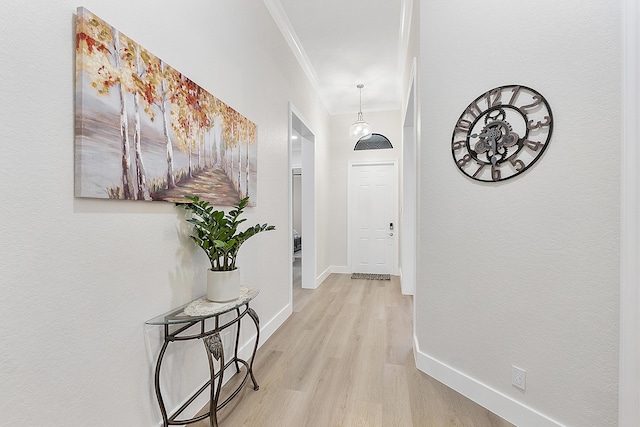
(189, 322)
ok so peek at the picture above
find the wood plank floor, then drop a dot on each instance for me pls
(344, 358)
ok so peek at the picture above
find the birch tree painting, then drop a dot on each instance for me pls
(144, 131)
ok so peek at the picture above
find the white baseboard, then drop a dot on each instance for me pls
(499, 403)
(321, 278)
(340, 269)
(273, 324)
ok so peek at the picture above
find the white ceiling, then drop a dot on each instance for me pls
(341, 43)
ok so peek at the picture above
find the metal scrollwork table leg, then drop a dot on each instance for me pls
(215, 355)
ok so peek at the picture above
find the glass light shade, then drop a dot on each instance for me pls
(360, 129)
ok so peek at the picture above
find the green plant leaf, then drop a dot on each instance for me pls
(216, 232)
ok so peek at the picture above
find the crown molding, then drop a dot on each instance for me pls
(284, 25)
(405, 31)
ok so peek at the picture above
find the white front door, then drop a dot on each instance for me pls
(373, 217)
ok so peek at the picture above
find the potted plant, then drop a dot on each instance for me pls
(216, 232)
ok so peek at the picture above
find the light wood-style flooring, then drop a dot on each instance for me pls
(344, 358)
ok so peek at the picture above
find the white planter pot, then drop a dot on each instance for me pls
(223, 286)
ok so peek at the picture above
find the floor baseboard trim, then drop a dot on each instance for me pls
(246, 348)
(321, 278)
(502, 405)
(340, 269)
(274, 323)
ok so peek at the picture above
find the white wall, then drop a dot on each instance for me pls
(80, 276)
(524, 272)
(386, 123)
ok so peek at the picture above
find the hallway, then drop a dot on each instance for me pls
(344, 358)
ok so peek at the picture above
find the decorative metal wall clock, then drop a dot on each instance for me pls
(502, 133)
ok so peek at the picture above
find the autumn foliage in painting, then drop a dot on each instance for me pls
(134, 110)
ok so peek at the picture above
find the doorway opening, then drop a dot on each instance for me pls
(296, 214)
(302, 201)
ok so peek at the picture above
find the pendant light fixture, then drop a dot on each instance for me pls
(360, 129)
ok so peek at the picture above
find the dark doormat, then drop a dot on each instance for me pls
(369, 276)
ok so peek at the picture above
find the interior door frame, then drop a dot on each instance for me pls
(309, 231)
(629, 369)
(409, 194)
(350, 208)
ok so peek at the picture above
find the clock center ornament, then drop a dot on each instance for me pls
(502, 133)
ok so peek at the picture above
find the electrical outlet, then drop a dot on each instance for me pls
(518, 377)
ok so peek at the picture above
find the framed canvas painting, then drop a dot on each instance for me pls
(145, 131)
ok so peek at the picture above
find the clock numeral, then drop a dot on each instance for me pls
(495, 173)
(497, 97)
(481, 166)
(516, 91)
(537, 101)
(517, 163)
(534, 145)
(547, 122)
(473, 110)
(464, 160)
(457, 145)
(494, 97)
(463, 125)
